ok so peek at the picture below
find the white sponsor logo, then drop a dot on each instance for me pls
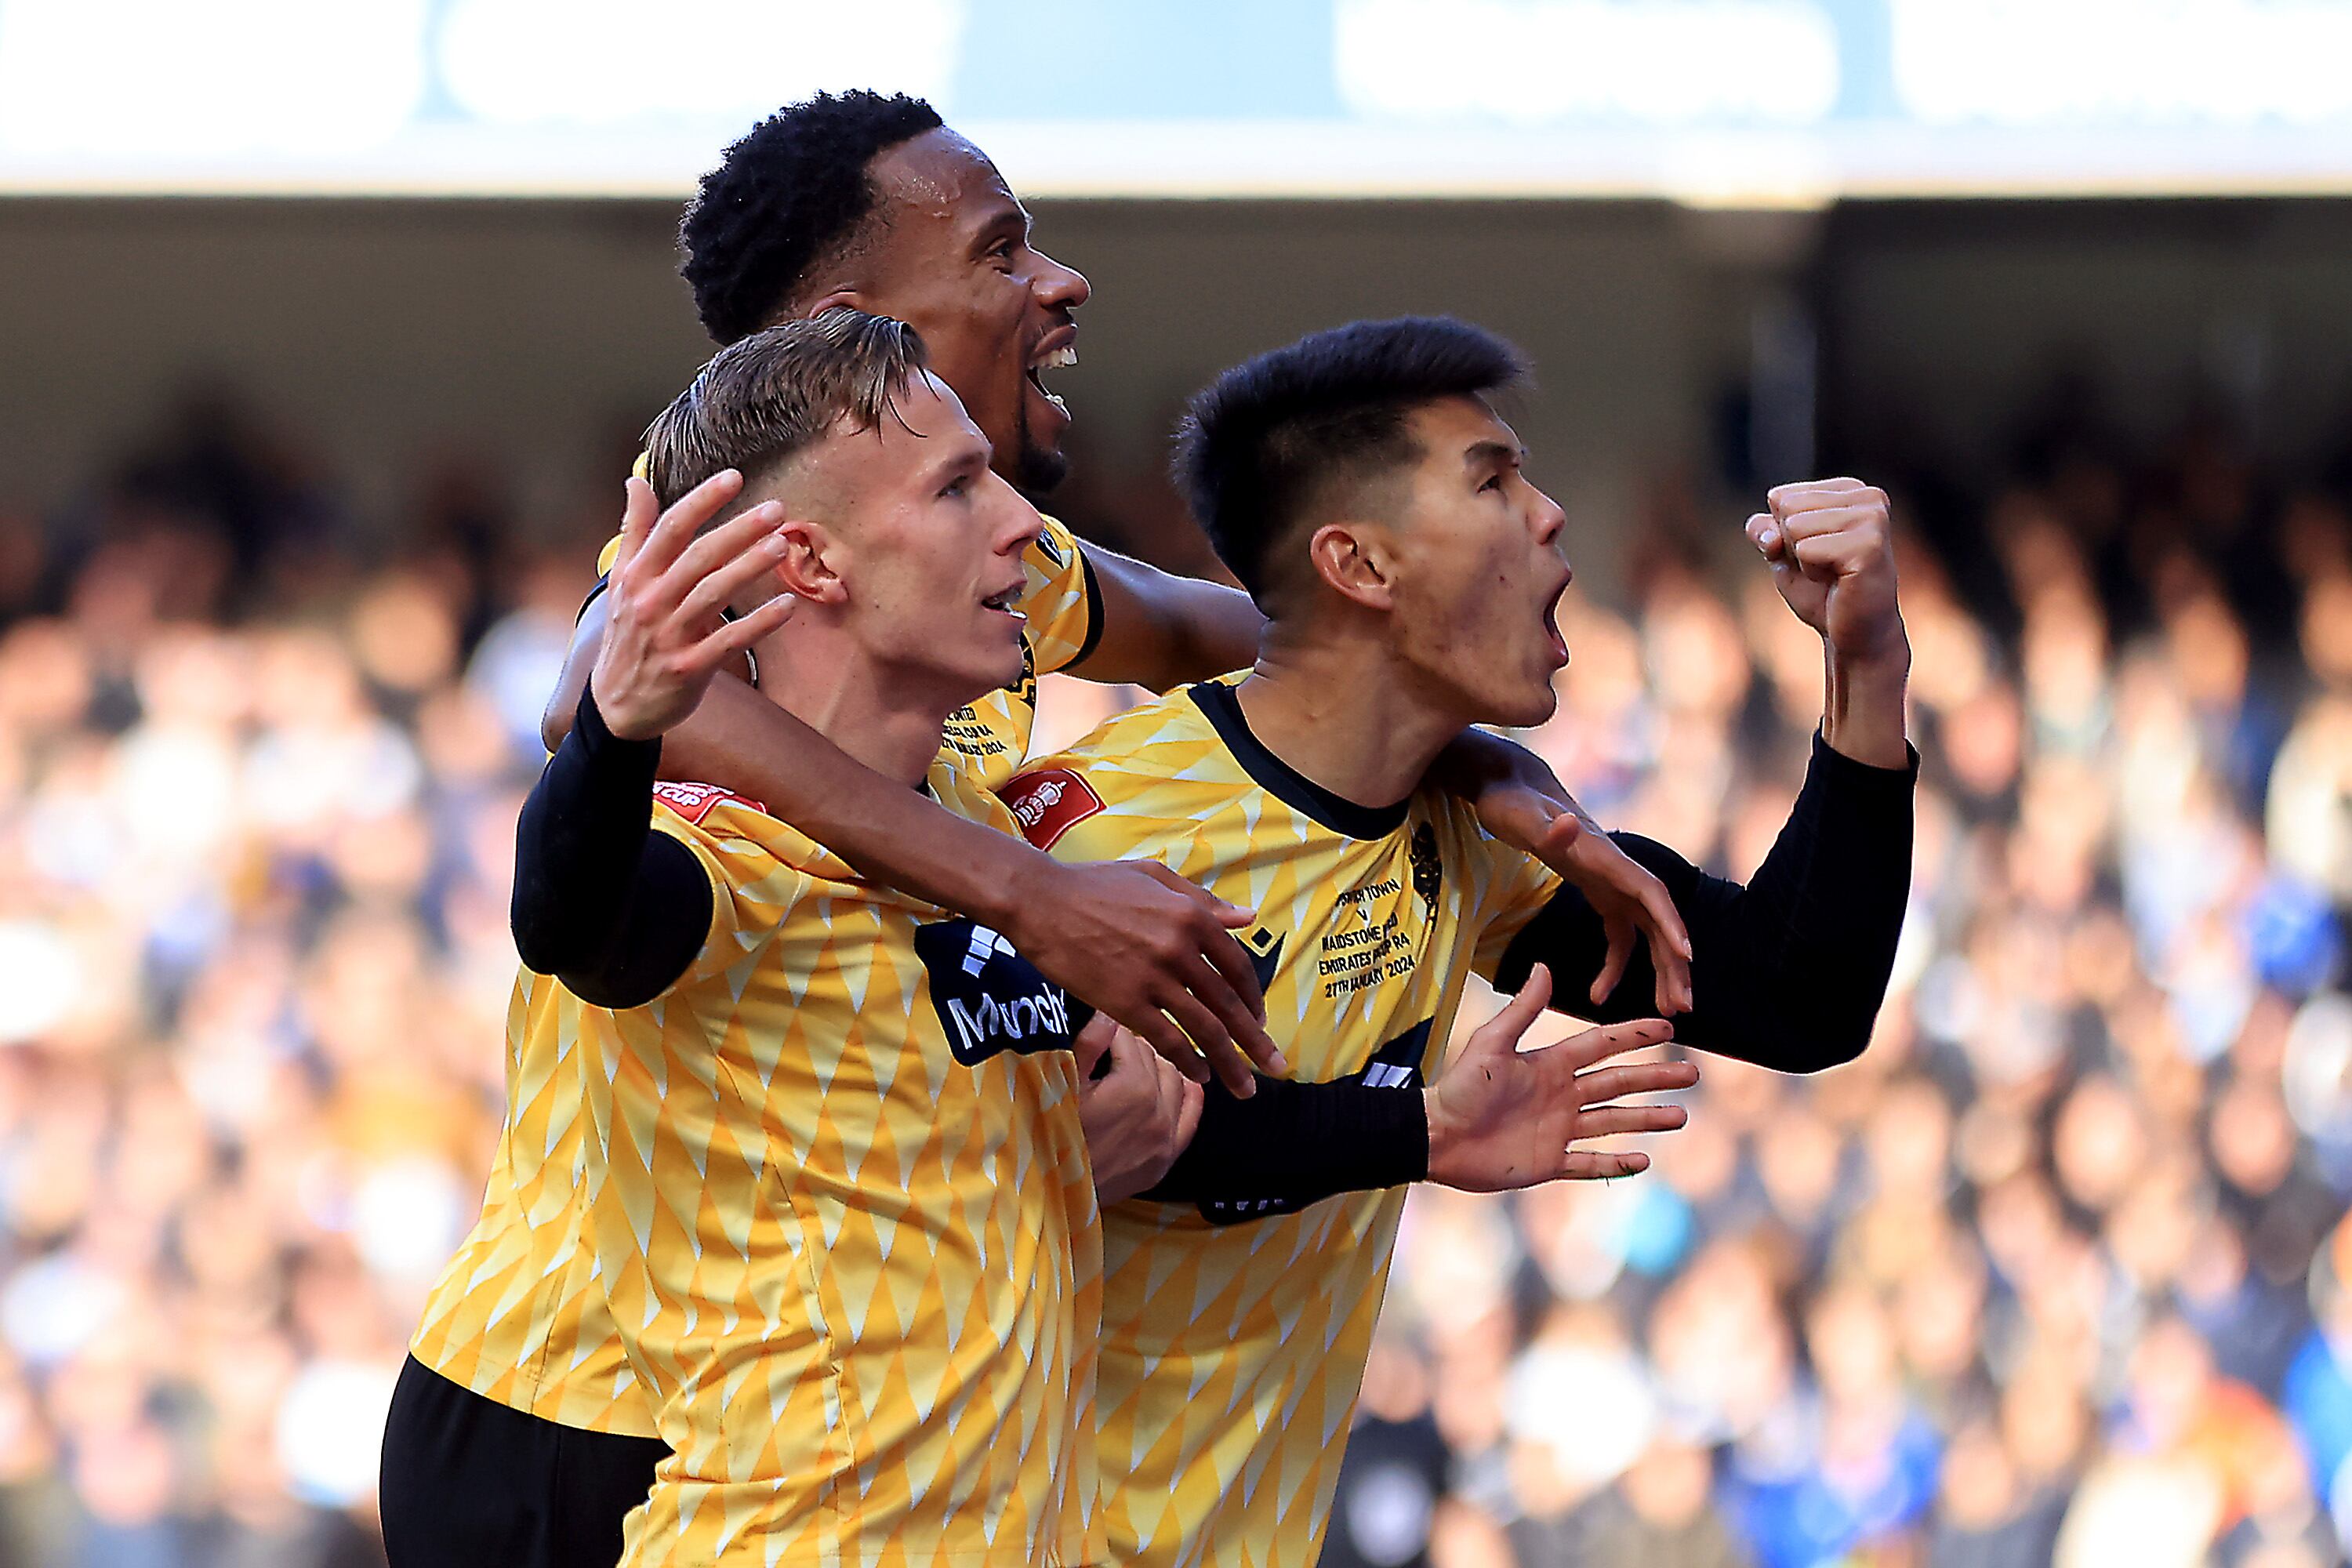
(993, 1026)
(985, 946)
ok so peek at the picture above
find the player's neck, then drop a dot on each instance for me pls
(1335, 711)
(842, 695)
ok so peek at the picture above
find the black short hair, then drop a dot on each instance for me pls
(792, 192)
(1274, 438)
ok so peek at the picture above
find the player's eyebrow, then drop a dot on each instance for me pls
(964, 462)
(1480, 453)
(1012, 218)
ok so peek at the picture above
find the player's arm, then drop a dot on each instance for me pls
(1521, 801)
(612, 909)
(1497, 1119)
(1156, 629)
(1135, 940)
(1831, 547)
(1791, 967)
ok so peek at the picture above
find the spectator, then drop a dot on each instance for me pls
(2057, 1271)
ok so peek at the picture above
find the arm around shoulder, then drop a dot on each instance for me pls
(1788, 970)
(1159, 630)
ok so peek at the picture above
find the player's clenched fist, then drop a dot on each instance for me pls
(1831, 546)
(666, 633)
(1501, 1119)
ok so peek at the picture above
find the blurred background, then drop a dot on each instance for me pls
(325, 332)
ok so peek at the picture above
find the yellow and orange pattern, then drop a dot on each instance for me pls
(1234, 1340)
(839, 1191)
(519, 1314)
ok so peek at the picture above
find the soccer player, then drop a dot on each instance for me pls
(869, 202)
(831, 1178)
(836, 1191)
(863, 201)
(1362, 487)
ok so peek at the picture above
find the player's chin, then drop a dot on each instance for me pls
(1523, 704)
(1004, 668)
(1040, 467)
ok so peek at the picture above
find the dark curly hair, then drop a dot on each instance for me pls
(1276, 438)
(791, 192)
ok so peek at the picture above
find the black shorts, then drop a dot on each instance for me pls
(467, 1480)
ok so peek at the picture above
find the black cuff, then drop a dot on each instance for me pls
(1864, 770)
(604, 749)
(586, 862)
(1292, 1144)
(1858, 796)
(1865, 780)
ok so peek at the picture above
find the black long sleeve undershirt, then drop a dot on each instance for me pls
(1291, 1144)
(1787, 972)
(606, 905)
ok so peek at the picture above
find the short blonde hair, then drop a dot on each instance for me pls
(767, 397)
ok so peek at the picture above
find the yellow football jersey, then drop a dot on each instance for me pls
(518, 1316)
(1235, 1336)
(839, 1192)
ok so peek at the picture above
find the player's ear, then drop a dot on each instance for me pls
(1351, 558)
(806, 569)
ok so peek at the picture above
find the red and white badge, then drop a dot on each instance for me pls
(1049, 801)
(694, 801)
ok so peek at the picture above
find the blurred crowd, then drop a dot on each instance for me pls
(2057, 1272)
(256, 803)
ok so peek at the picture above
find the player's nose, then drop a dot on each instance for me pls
(1550, 519)
(1021, 524)
(1060, 288)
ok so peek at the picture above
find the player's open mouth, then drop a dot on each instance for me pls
(1551, 627)
(1005, 602)
(1058, 350)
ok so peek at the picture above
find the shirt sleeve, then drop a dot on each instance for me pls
(1518, 888)
(1787, 970)
(1064, 609)
(615, 910)
(1293, 1145)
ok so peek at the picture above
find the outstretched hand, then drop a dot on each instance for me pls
(1502, 1119)
(665, 636)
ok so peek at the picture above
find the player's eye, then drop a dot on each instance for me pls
(1494, 482)
(957, 487)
